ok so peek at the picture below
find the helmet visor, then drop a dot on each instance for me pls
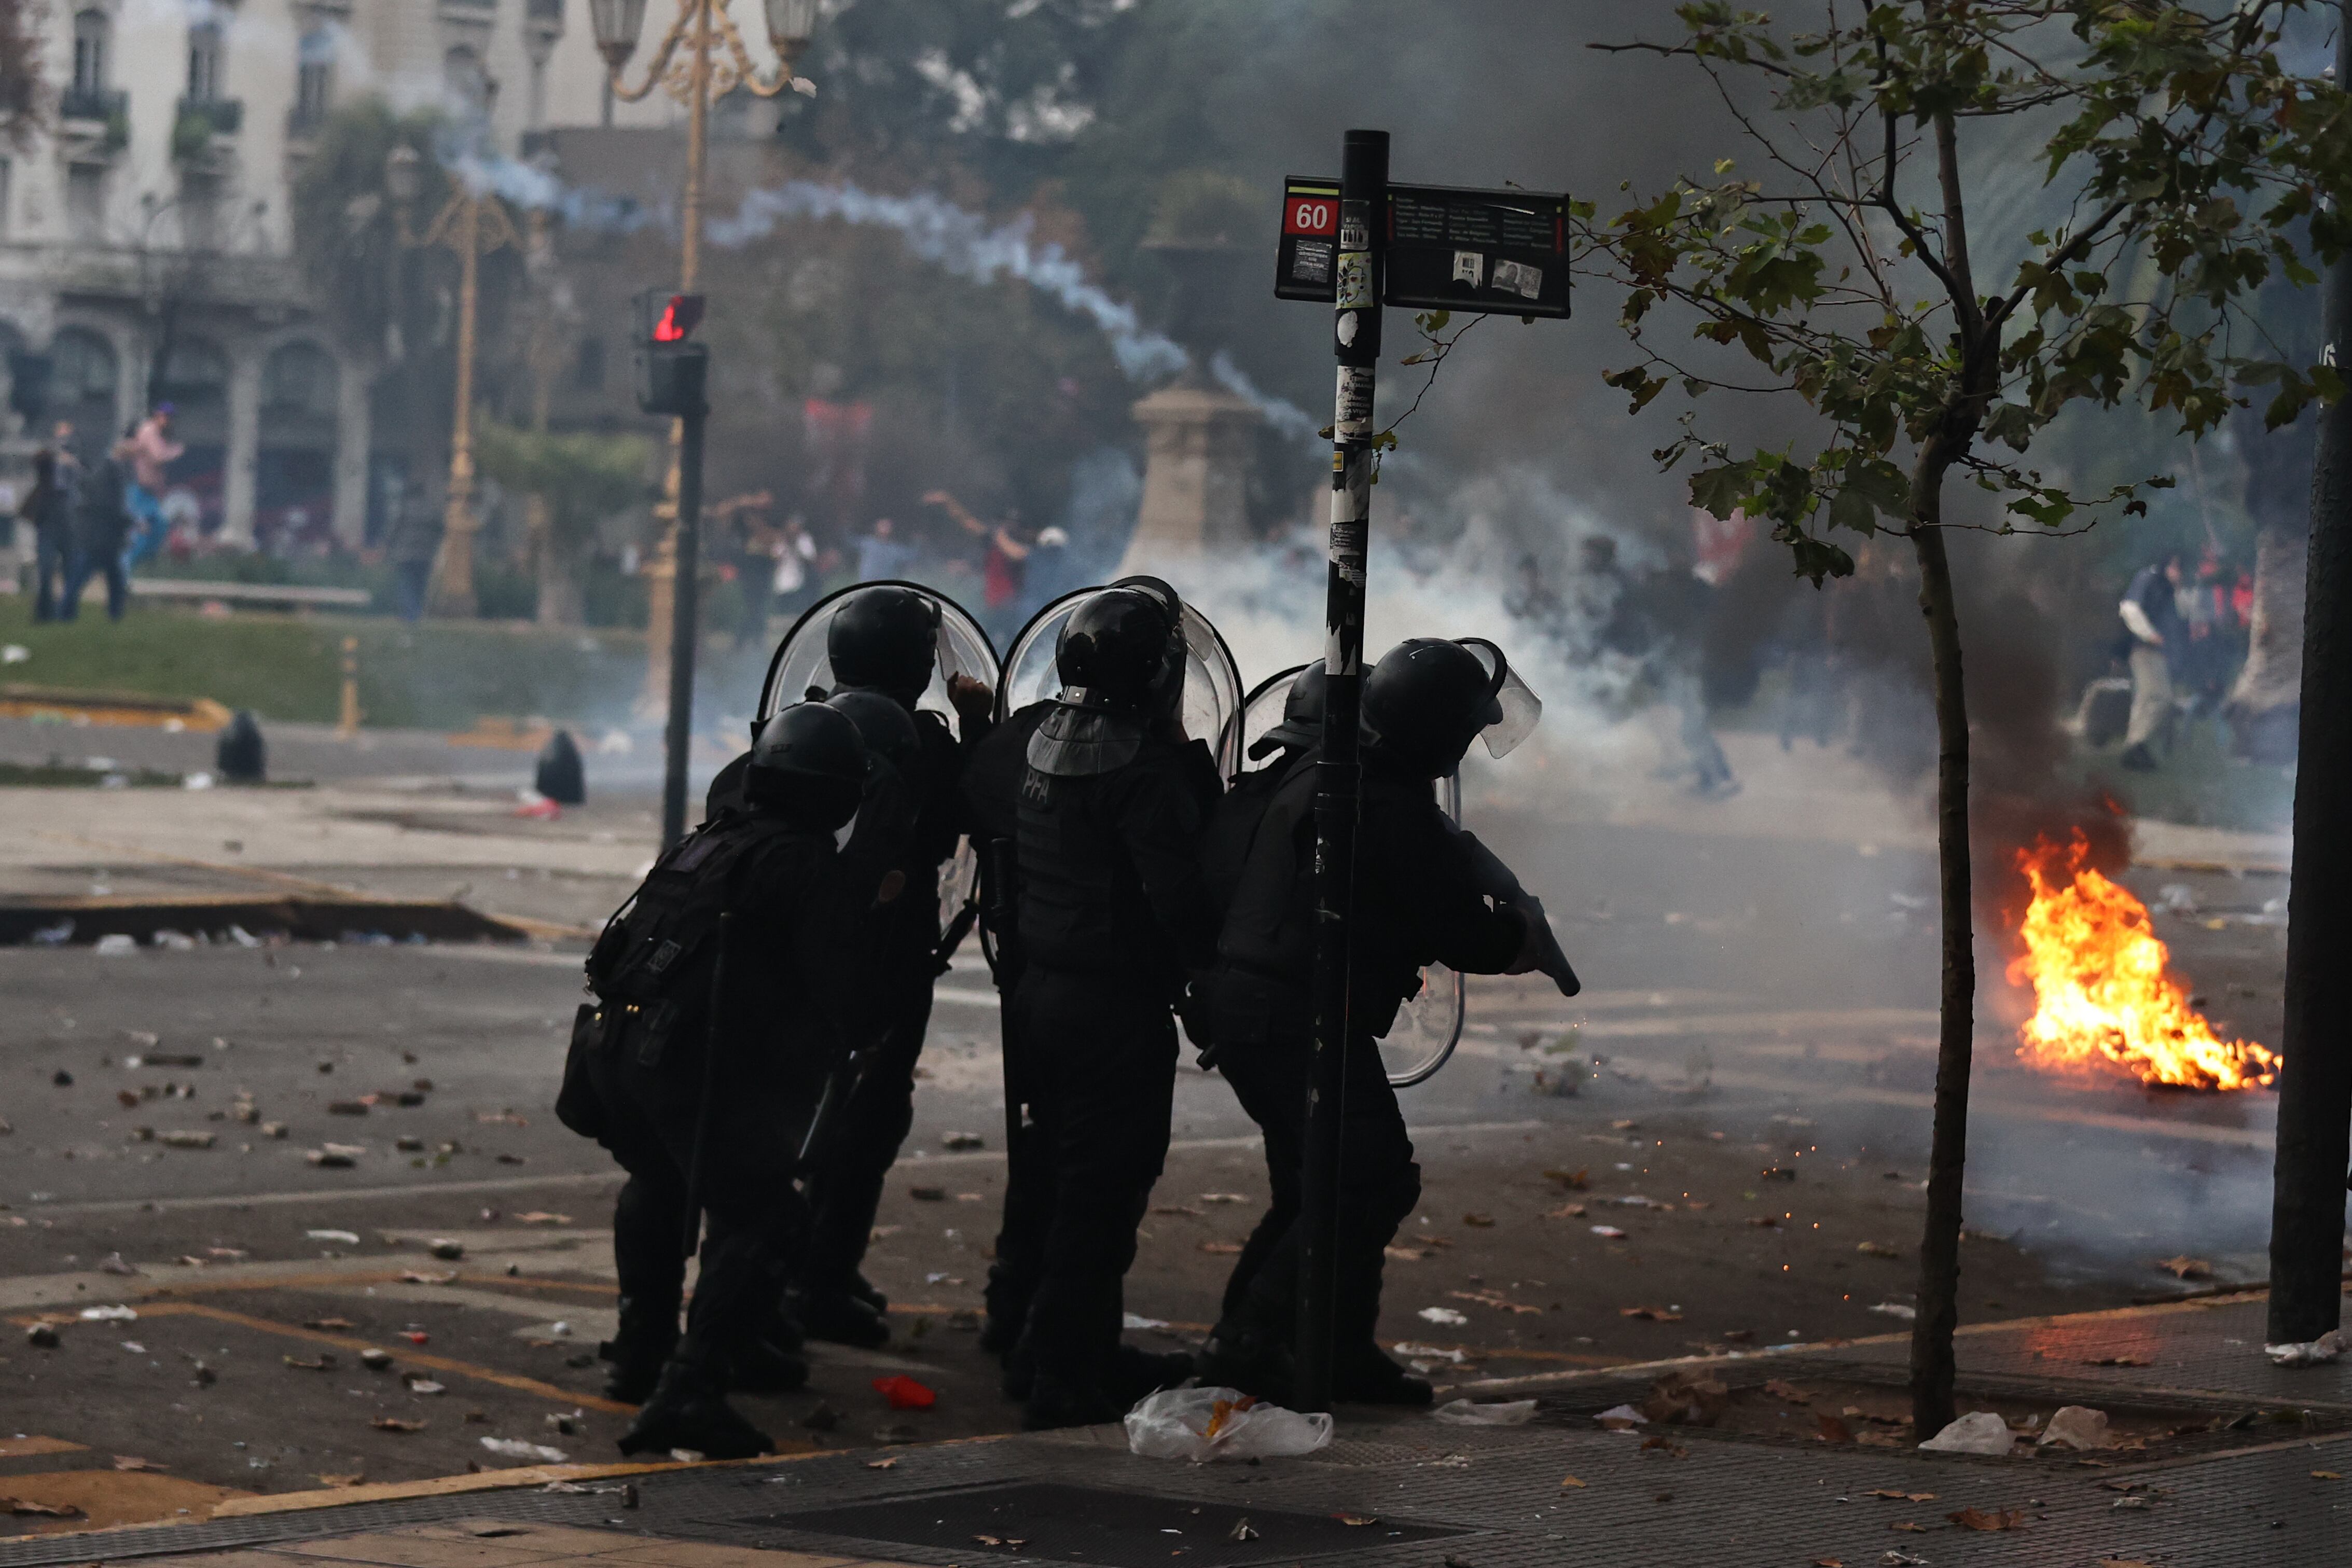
(1518, 709)
(1211, 703)
(801, 670)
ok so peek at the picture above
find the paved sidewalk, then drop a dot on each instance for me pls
(2223, 1460)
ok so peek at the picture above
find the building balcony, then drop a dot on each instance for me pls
(201, 121)
(305, 121)
(94, 123)
(96, 104)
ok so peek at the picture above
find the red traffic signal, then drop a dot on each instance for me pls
(667, 318)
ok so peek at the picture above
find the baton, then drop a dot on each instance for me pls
(706, 1109)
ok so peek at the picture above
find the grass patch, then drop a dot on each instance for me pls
(58, 775)
(433, 676)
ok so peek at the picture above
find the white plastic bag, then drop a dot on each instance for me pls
(1978, 1432)
(2075, 1427)
(1203, 1424)
(1504, 1412)
(2311, 1352)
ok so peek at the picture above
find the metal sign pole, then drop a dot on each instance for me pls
(1356, 341)
(685, 595)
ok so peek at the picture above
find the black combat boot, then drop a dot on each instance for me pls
(841, 1318)
(1135, 1372)
(1240, 1356)
(1362, 1373)
(644, 1341)
(766, 1367)
(866, 1291)
(1055, 1403)
(690, 1410)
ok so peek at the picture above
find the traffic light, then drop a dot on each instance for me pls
(671, 371)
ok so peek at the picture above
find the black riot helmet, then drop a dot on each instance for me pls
(1123, 649)
(888, 638)
(882, 724)
(808, 767)
(1302, 715)
(1428, 698)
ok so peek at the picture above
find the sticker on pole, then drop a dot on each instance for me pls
(1448, 247)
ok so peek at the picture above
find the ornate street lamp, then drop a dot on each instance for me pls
(702, 57)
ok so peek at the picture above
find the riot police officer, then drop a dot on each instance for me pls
(701, 1063)
(1421, 896)
(884, 642)
(1112, 917)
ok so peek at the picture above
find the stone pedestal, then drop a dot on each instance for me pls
(1196, 477)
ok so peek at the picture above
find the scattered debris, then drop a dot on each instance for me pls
(1652, 1315)
(42, 1336)
(540, 1216)
(1479, 1221)
(411, 1277)
(376, 1360)
(113, 1264)
(329, 1324)
(329, 1159)
(26, 1506)
(1978, 1432)
(1224, 1197)
(1572, 1181)
(1896, 1495)
(1687, 1399)
(959, 1142)
(1470, 1412)
(343, 1478)
(1902, 1309)
(448, 1250)
(516, 1448)
(1356, 1518)
(903, 1393)
(1781, 1388)
(324, 1363)
(1203, 1424)
(2075, 1427)
(889, 1464)
(1222, 1247)
(1565, 1211)
(1878, 1249)
(1445, 1315)
(1831, 1429)
(1570, 1481)
(132, 1462)
(2186, 1268)
(114, 1314)
(2118, 1361)
(1620, 1418)
(398, 1424)
(928, 1194)
(2309, 1353)
(1609, 1232)
(1978, 1518)
(1243, 1529)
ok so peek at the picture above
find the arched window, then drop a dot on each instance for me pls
(204, 61)
(84, 366)
(92, 37)
(297, 381)
(194, 372)
(314, 81)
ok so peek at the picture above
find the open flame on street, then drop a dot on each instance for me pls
(2101, 987)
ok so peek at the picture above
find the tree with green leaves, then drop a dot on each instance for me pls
(581, 478)
(1927, 342)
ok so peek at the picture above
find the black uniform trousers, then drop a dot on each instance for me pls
(755, 1215)
(1020, 1248)
(1099, 1069)
(846, 1192)
(1264, 1038)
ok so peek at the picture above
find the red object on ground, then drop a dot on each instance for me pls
(904, 1393)
(415, 1336)
(541, 810)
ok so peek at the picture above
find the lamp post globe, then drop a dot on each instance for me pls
(617, 24)
(789, 23)
(402, 177)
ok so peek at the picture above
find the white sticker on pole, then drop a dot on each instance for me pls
(1355, 280)
(1353, 404)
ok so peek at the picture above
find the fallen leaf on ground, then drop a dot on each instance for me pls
(324, 1364)
(1667, 1445)
(1908, 1527)
(395, 1424)
(1224, 1197)
(882, 1464)
(411, 1277)
(1573, 1180)
(1015, 1542)
(1878, 1249)
(2119, 1361)
(1501, 1303)
(1570, 1481)
(351, 1480)
(1565, 1211)
(1404, 1254)
(1654, 1314)
(540, 1216)
(1828, 1563)
(1357, 1518)
(1781, 1388)
(133, 1462)
(1999, 1519)
(2186, 1268)
(1830, 1429)
(38, 1510)
(1765, 1221)
(2325, 1476)
(1904, 1496)
(2124, 1562)
(1221, 1246)
(1483, 1221)
(330, 1323)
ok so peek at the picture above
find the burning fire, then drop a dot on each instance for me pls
(2100, 988)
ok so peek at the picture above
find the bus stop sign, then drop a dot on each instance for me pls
(1448, 248)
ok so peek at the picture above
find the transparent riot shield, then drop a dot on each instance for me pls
(1429, 1026)
(1212, 682)
(802, 671)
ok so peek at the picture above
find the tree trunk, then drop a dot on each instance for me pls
(1939, 1245)
(2261, 708)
